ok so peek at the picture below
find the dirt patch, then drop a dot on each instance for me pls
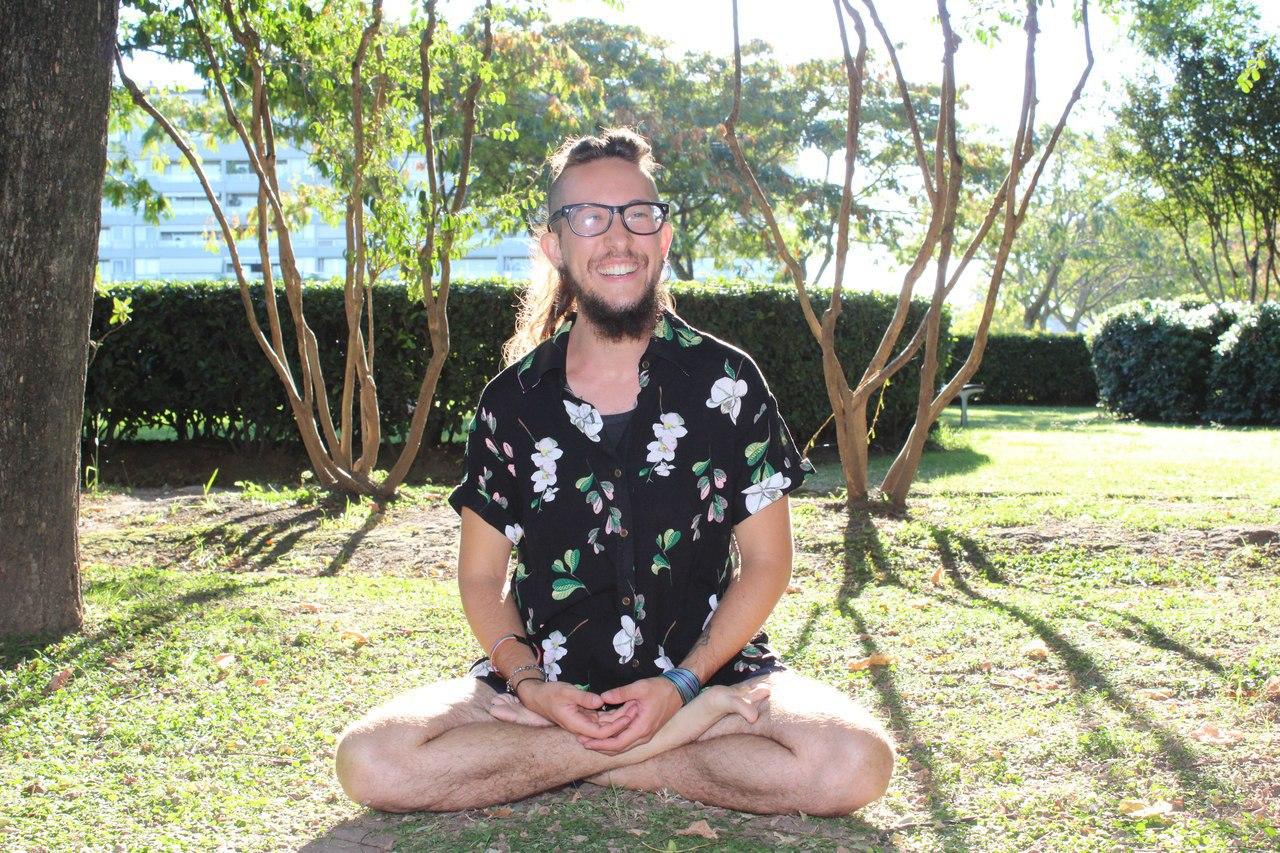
(1184, 543)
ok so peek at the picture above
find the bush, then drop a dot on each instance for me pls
(187, 361)
(1033, 369)
(1244, 380)
(1152, 357)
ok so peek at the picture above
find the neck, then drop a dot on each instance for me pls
(590, 352)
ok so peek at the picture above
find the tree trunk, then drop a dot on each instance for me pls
(56, 73)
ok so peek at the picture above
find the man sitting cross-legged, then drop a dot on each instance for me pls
(622, 452)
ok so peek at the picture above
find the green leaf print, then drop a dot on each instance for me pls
(662, 329)
(659, 563)
(700, 467)
(729, 370)
(558, 566)
(585, 483)
(562, 588)
(688, 338)
(755, 451)
(669, 539)
(571, 557)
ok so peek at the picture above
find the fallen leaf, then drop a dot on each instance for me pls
(36, 787)
(986, 666)
(792, 589)
(1036, 650)
(877, 659)
(355, 634)
(1271, 690)
(638, 833)
(59, 681)
(258, 682)
(312, 607)
(1141, 809)
(1209, 733)
(224, 661)
(700, 828)
(500, 811)
(1158, 694)
(920, 603)
(939, 575)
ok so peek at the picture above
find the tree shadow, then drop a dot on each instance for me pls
(806, 631)
(865, 559)
(1083, 671)
(251, 545)
(349, 547)
(940, 808)
(89, 651)
(1155, 637)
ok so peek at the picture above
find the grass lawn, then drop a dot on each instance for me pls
(1083, 617)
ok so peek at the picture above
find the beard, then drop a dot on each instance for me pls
(630, 322)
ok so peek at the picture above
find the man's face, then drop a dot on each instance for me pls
(612, 276)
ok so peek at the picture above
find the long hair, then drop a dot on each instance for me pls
(547, 298)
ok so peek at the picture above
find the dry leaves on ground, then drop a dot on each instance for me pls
(1036, 650)
(1211, 734)
(356, 635)
(1139, 809)
(877, 659)
(224, 661)
(1026, 679)
(1271, 690)
(1156, 694)
(58, 681)
(700, 828)
(939, 575)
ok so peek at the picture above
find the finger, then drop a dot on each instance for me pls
(586, 699)
(628, 708)
(585, 723)
(634, 736)
(617, 695)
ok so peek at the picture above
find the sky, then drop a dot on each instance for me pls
(992, 75)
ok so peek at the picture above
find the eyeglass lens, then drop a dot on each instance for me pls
(591, 220)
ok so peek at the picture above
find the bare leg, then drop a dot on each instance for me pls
(811, 749)
(438, 748)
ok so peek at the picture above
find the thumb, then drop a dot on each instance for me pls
(587, 699)
(617, 695)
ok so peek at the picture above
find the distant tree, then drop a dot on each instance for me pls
(1209, 151)
(1087, 243)
(56, 73)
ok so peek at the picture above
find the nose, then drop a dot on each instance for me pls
(616, 233)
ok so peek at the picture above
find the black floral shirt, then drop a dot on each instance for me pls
(623, 557)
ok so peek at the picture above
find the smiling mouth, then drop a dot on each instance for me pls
(618, 268)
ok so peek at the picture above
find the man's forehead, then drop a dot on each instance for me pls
(586, 181)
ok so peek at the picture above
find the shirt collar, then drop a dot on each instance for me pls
(670, 340)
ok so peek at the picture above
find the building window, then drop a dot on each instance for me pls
(239, 167)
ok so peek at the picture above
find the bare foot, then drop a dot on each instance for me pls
(741, 699)
(509, 709)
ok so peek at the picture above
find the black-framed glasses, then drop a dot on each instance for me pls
(589, 219)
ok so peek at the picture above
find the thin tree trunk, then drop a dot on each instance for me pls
(56, 73)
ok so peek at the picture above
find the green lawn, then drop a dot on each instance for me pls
(1056, 568)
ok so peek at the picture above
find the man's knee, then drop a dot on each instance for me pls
(369, 771)
(853, 769)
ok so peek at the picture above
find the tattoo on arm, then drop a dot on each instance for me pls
(703, 639)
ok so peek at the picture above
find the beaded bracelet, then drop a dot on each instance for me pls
(512, 684)
(685, 681)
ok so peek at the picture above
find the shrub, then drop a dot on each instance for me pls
(1151, 358)
(187, 361)
(1244, 379)
(1033, 369)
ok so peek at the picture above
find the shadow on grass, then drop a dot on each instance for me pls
(1083, 671)
(1157, 638)
(353, 542)
(251, 545)
(89, 652)
(866, 562)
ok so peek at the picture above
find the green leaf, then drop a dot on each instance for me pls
(669, 539)
(562, 588)
(659, 563)
(699, 467)
(558, 566)
(729, 370)
(755, 451)
(585, 483)
(572, 557)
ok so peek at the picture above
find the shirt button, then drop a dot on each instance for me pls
(617, 472)
(626, 600)
(644, 365)
(623, 533)
(635, 663)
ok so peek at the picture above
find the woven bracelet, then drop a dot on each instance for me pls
(686, 683)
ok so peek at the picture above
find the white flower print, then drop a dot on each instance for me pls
(727, 393)
(765, 492)
(482, 668)
(550, 494)
(626, 640)
(586, 418)
(662, 469)
(663, 662)
(514, 532)
(552, 671)
(670, 427)
(553, 650)
(547, 454)
(542, 478)
(714, 602)
(661, 450)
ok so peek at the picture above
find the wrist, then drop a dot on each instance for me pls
(529, 691)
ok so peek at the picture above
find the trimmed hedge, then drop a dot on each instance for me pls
(1033, 369)
(187, 360)
(1152, 358)
(1244, 379)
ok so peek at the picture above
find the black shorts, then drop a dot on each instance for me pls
(728, 675)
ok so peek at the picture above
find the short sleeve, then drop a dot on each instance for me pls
(767, 463)
(489, 486)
